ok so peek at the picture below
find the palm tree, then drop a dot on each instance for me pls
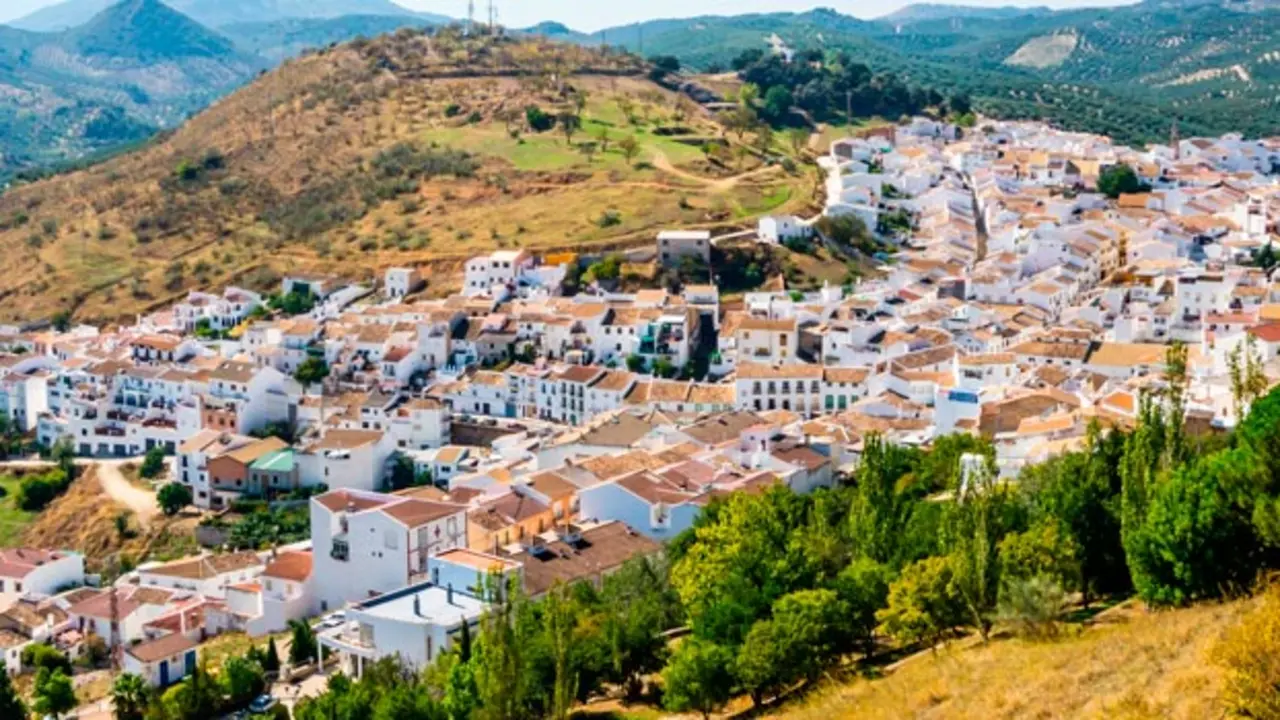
(130, 695)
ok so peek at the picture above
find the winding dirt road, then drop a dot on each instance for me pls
(113, 483)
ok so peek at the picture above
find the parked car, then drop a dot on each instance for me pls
(262, 704)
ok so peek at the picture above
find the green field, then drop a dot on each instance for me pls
(12, 520)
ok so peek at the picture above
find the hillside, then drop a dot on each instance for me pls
(1133, 665)
(1124, 71)
(132, 68)
(405, 149)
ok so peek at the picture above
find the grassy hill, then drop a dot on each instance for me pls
(407, 149)
(1132, 665)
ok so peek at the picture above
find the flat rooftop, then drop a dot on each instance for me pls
(432, 605)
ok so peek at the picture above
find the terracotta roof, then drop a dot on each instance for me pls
(340, 500)
(17, 562)
(292, 565)
(163, 648)
(207, 566)
(414, 513)
(600, 550)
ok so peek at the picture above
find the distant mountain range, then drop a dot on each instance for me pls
(217, 13)
(92, 75)
(87, 75)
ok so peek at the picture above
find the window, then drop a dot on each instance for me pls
(391, 540)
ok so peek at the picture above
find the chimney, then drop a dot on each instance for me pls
(449, 597)
(417, 605)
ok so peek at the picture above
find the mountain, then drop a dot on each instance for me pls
(215, 13)
(282, 39)
(921, 12)
(400, 149)
(132, 68)
(559, 31)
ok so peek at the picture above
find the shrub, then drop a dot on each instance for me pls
(1032, 606)
(452, 110)
(538, 120)
(609, 218)
(35, 492)
(39, 655)
(173, 497)
(152, 464)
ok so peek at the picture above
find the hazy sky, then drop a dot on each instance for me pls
(596, 14)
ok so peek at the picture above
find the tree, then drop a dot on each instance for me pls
(1194, 540)
(880, 511)
(311, 371)
(62, 320)
(502, 655)
(130, 695)
(923, 604)
(570, 124)
(698, 677)
(243, 680)
(271, 659)
(974, 531)
(603, 138)
(173, 497)
(54, 694)
(762, 665)
(11, 706)
(814, 623)
(153, 463)
(404, 473)
(863, 586)
(638, 605)
(302, 646)
(777, 103)
(559, 628)
(1267, 259)
(741, 561)
(461, 698)
(1044, 550)
(1120, 179)
(1248, 379)
(630, 148)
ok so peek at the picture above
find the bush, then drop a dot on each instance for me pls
(152, 464)
(173, 497)
(1032, 606)
(452, 110)
(538, 120)
(39, 655)
(35, 492)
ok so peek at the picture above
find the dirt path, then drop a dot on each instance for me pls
(663, 163)
(117, 486)
(113, 483)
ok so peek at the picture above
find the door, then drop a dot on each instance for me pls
(164, 673)
(191, 662)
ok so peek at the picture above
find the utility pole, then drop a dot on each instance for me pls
(116, 647)
(471, 17)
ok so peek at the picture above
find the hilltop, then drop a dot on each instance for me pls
(410, 148)
(134, 67)
(217, 13)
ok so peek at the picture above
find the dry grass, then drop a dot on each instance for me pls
(128, 235)
(84, 519)
(1133, 665)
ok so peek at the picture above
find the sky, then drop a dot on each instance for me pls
(591, 15)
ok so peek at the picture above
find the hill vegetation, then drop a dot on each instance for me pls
(1124, 71)
(412, 148)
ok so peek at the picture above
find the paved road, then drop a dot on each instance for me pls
(113, 483)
